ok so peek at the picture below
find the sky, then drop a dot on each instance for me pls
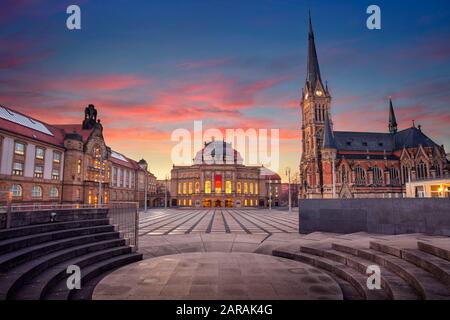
(154, 66)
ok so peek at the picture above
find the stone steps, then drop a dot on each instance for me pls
(394, 286)
(425, 284)
(34, 259)
(348, 274)
(438, 251)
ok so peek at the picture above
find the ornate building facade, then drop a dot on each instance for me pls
(218, 178)
(336, 164)
(42, 163)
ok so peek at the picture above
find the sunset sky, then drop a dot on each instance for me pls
(154, 66)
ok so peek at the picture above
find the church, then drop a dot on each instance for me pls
(340, 164)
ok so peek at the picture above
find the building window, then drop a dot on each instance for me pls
(343, 174)
(377, 176)
(36, 192)
(40, 153)
(16, 190)
(197, 187)
(207, 186)
(422, 172)
(121, 177)
(79, 166)
(54, 192)
(405, 174)
(438, 169)
(56, 157)
(360, 178)
(38, 171)
(251, 188)
(184, 188)
(19, 148)
(245, 188)
(179, 187)
(90, 197)
(78, 194)
(239, 187)
(256, 188)
(55, 174)
(17, 169)
(228, 188)
(190, 188)
(395, 176)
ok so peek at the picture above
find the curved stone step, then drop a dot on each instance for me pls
(357, 280)
(48, 227)
(394, 286)
(438, 267)
(17, 243)
(37, 288)
(427, 286)
(15, 278)
(60, 290)
(435, 249)
(13, 259)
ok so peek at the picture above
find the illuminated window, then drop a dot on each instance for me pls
(251, 202)
(179, 202)
(56, 157)
(179, 187)
(190, 202)
(184, 188)
(245, 188)
(228, 188)
(197, 187)
(79, 167)
(17, 169)
(251, 188)
(40, 152)
(218, 183)
(207, 186)
(38, 171)
(184, 202)
(256, 188)
(190, 187)
(19, 148)
(55, 174)
(239, 187)
(245, 202)
(90, 197)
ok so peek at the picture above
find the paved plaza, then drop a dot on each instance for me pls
(216, 221)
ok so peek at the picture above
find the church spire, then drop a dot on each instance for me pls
(328, 136)
(392, 119)
(313, 72)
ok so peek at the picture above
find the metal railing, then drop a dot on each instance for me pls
(124, 215)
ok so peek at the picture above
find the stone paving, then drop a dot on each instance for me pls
(218, 276)
(217, 221)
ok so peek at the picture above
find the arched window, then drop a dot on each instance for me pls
(79, 166)
(228, 188)
(437, 167)
(238, 187)
(54, 192)
(360, 176)
(16, 190)
(207, 186)
(395, 176)
(197, 187)
(184, 188)
(256, 188)
(245, 188)
(405, 174)
(422, 172)
(179, 187)
(343, 175)
(251, 188)
(377, 176)
(36, 192)
(190, 188)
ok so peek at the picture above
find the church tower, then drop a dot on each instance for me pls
(315, 104)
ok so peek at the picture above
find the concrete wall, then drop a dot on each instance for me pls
(20, 219)
(383, 216)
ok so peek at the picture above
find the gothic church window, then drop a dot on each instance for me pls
(422, 172)
(395, 176)
(377, 176)
(405, 174)
(360, 176)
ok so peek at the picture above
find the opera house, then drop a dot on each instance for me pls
(218, 178)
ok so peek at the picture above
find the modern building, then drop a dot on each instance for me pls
(337, 164)
(430, 188)
(43, 163)
(218, 178)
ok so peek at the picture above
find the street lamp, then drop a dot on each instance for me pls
(288, 173)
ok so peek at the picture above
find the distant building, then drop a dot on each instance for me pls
(430, 188)
(359, 164)
(43, 163)
(218, 178)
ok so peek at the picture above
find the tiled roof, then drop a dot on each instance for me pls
(411, 138)
(269, 174)
(71, 128)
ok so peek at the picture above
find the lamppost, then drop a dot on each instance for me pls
(288, 173)
(165, 193)
(100, 179)
(270, 193)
